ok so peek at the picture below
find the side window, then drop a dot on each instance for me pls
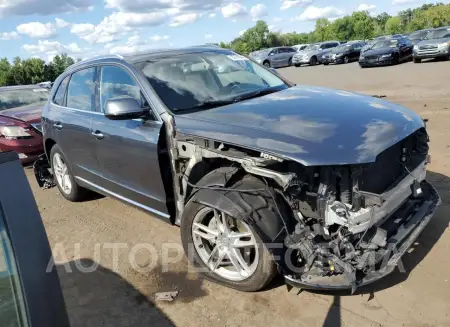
(81, 90)
(61, 92)
(291, 50)
(115, 82)
(274, 51)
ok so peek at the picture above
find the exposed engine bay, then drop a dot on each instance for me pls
(349, 222)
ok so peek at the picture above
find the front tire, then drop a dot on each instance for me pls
(267, 64)
(345, 60)
(396, 60)
(297, 65)
(229, 251)
(64, 178)
(417, 60)
(290, 62)
(313, 61)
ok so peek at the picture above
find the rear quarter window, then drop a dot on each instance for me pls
(81, 90)
(61, 92)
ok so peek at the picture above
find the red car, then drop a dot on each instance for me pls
(20, 120)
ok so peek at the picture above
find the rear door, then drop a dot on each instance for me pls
(127, 150)
(275, 58)
(356, 51)
(71, 123)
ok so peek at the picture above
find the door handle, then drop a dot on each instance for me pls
(98, 135)
(58, 125)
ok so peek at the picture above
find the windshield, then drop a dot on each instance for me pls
(261, 52)
(22, 97)
(385, 44)
(340, 48)
(192, 80)
(417, 35)
(438, 34)
(313, 47)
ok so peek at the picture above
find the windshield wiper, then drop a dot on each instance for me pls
(210, 104)
(255, 94)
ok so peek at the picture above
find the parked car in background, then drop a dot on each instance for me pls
(249, 166)
(418, 36)
(370, 43)
(343, 54)
(387, 52)
(435, 45)
(300, 47)
(274, 57)
(20, 120)
(312, 54)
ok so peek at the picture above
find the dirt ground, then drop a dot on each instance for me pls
(117, 295)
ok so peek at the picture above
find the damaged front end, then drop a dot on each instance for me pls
(352, 222)
(355, 222)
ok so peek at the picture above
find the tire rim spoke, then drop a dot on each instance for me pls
(205, 232)
(238, 262)
(221, 220)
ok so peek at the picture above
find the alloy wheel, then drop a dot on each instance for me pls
(61, 173)
(227, 246)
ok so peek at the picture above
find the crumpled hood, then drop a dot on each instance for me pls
(312, 125)
(31, 113)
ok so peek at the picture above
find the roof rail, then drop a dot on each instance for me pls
(108, 56)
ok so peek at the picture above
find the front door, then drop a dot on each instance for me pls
(70, 117)
(127, 150)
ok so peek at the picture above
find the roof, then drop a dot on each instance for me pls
(21, 87)
(149, 54)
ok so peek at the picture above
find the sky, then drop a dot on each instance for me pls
(85, 28)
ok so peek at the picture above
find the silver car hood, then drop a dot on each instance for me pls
(434, 41)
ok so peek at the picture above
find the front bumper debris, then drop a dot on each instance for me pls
(43, 172)
(397, 246)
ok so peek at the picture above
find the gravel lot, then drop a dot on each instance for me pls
(117, 295)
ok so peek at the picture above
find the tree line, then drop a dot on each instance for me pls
(359, 25)
(33, 70)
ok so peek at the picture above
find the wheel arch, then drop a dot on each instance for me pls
(48, 145)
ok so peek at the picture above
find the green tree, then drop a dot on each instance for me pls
(363, 25)
(5, 67)
(394, 25)
(322, 30)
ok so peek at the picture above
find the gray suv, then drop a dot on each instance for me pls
(312, 55)
(259, 173)
(274, 57)
(435, 45)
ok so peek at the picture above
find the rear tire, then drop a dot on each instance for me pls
(417, 60)
(290, 62)
(326, 64)
(262, 273)
(297, 65)
(59, 165)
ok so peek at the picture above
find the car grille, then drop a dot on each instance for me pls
(389, 168)
(371, 57)
(428, 47)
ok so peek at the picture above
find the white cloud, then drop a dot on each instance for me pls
(212, 15)
(286, 4)
(61, 23)
(403, 2)
(123, 49)
(6, 36)
(82, 29)
(37, 30)
(42, 7)
(271, 27)
(277, 19)
(116, 25)
(313, 13)
(242, 32)
(184, 19)
(157, 38)
(233, 9)
(365, 7)
(208, 36)
(51, 48)
(139, 6)
(258, 11)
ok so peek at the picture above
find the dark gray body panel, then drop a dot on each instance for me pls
(314, 126)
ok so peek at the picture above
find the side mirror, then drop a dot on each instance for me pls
(271, 54)
(123, 108)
